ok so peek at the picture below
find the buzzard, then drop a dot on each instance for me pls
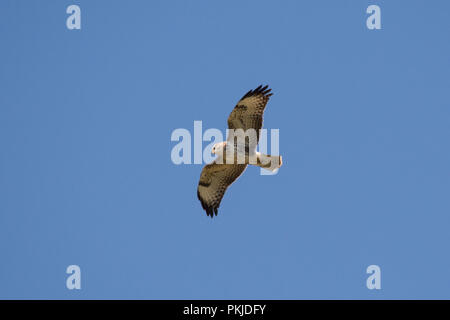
(238, 151)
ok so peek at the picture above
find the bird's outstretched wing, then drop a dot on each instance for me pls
(214, 181)
(248, 113)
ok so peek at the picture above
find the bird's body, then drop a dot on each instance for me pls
(233, 155)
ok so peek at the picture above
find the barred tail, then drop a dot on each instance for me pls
(268, 162)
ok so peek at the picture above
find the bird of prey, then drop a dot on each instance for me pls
(239, 150)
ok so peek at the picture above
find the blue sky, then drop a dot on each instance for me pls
(86, 176)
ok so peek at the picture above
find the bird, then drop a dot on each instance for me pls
(238, 151)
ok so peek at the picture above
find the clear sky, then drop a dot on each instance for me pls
(86, 176)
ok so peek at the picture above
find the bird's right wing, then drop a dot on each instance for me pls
(214, 181)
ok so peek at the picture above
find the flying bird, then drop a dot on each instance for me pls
(238, 151)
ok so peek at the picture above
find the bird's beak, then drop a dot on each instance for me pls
(213, 152)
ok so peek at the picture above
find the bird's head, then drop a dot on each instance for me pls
(218, 148)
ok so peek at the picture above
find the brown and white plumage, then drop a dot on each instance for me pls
(217, 176)
(214, 181)
(248, 112)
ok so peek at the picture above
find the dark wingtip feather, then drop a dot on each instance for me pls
(210, 210)
(265, 91)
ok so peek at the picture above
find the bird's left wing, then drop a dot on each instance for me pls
(214, 181)
(249, 111)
